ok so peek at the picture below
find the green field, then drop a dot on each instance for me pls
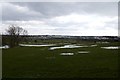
(40, 62)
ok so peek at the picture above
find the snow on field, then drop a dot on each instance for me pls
(4, 47)
(93, 45)
(66, 46)
(104, 42)
(83, 52)
(111, 47)
(67, 54)
(36, 45)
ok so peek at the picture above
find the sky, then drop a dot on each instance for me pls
(62, 18)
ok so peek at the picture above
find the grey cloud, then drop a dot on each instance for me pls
(52, 9)
(65, 25)
(10, 12)
(45, 11)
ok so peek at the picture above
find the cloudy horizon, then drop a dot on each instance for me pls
(62, 18)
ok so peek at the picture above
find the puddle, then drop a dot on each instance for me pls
(66, 46)
(111, 47)
(36, 45)
(83, 52)
(4, 47)
(67, 54)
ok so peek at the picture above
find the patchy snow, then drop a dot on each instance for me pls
(68, 54)
(111, 47)
(93, 45)
(4, 47)
(104, 42)
(36, 45)
(66, 46)
(83, 52)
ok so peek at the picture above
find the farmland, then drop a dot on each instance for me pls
(42, 62)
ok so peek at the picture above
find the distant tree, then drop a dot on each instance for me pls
(14, 33)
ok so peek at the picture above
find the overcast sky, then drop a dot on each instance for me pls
(62, 18)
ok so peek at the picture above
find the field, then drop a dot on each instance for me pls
(41, 62)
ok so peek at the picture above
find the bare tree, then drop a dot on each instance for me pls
(14, 33)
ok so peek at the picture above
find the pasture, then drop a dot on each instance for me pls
(42, 62)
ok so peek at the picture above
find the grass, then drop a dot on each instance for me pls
(36, 62)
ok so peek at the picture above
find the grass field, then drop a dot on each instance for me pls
(40, 62)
